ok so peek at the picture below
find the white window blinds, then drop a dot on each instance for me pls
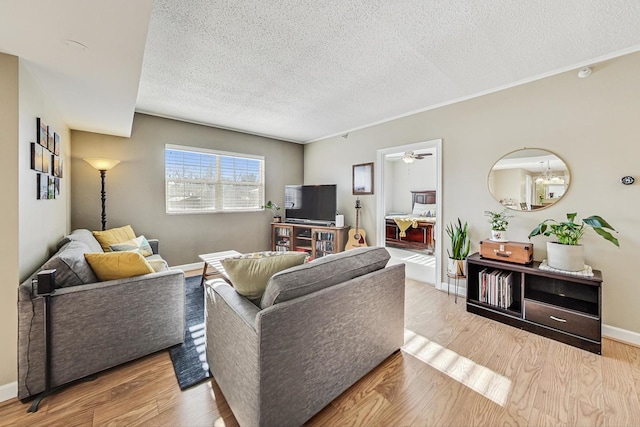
(199, 180)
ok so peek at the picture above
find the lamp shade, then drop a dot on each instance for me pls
(102, 164)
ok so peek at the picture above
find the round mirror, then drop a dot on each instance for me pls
(528, 179)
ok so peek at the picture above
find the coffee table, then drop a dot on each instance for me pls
(212, 262)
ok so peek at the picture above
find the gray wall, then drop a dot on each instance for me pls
(135, 187)
(9, 218)
(593, 124)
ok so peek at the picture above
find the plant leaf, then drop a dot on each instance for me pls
(608, 236)
(596, 221)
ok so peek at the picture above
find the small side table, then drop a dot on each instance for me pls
(212, 261)
(456, 281)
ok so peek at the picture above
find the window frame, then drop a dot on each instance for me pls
(218, 182)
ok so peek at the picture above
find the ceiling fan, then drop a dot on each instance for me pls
(409, 156)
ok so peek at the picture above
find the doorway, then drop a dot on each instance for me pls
(399, 170)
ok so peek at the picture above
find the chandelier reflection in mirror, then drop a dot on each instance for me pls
(528, 179)
(547, 176)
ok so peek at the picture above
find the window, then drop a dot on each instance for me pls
(199, 180)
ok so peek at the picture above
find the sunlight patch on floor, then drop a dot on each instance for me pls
(426, 260)
(479, 378)
(198, 338)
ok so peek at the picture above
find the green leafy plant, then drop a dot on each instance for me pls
(273, 206)
(498, 220)
(460, 242)
(569, 232)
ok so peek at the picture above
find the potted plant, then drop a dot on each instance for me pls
(460, 245)
(567, 253)
(274, 208)
(499, 224)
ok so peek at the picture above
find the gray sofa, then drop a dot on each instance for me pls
(320, 328)
(95, 325)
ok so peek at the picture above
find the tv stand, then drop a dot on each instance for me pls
(309, 222)
(316, 240)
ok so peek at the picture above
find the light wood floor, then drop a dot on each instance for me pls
(455, 368)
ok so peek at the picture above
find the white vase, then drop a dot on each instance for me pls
(499, 236)
(565, 257)
(455, 267)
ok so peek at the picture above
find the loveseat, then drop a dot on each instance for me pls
(95, 325)
(317, 330)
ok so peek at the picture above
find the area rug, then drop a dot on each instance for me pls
(189, 359)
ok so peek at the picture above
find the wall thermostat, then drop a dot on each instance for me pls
(627, 180)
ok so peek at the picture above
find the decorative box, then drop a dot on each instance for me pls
(516, 252)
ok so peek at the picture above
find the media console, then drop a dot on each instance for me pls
(316, 240)
(562, 307)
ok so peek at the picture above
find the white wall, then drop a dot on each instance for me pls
(590, 123)
(406, 177)
(42, 222)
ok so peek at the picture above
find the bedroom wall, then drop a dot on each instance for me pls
(135, 187)
(407, 177)
(591, 123)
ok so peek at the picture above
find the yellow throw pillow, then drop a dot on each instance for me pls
(250, 273)
(117, 265)
(113, 236)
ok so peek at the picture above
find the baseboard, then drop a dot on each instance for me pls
(189, 267)
(622, 335)
(8, 391)
(462, 290)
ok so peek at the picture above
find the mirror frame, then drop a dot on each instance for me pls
(538, 207)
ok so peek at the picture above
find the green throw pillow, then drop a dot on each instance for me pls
(250, 273)
(139, 244)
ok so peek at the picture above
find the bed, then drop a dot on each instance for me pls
(415, 230)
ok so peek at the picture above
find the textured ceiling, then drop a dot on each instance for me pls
(304, 70)
(299, 70)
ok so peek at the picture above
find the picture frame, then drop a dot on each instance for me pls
(36, 157)
(362, 179)
(51, 194)
(56, 144)
(46, 161)
(57, 187)
(50, 133)
(42, 191)
(56, 165)
(41, 132)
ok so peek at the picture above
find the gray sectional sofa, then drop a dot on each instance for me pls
(95, 325)
(318, 329)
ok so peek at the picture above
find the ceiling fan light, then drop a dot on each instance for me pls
(407, 159)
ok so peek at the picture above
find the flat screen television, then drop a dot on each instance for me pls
(310, 203)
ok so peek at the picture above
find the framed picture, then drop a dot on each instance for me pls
(50, 133)
(60, 171)
(43, 186)
(56, 165)
(56, 144)
(52, 188)
(46, 161)
(36, 157)
(362, 178)
(41, 132)
(56, 186)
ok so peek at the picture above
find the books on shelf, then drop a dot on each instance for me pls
(495, 287)
(324, 235)
(324, 245)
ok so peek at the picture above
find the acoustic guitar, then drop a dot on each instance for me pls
(357, 236)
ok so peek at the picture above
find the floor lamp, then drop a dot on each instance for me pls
(103, 165)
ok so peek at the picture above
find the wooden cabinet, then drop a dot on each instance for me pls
(563, 307)
(317, 241)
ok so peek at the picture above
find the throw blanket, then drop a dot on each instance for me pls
(404, 223)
